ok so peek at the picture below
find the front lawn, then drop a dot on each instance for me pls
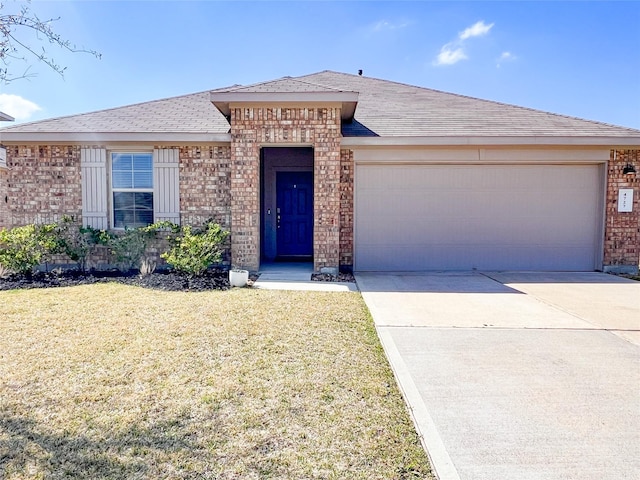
(115, 381)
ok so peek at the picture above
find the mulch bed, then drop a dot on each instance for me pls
(327, 277)
(162, 280)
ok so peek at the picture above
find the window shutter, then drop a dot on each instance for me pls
(166, 200)
(93, 165)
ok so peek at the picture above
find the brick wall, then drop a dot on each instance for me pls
(4, 206)
(43, 183)
(252, 127)
(622, 229)
(205, 176)
(346, 208)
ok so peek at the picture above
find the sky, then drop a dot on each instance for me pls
(577, 58)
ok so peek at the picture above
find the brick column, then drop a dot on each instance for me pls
(326, 231)
(245, 190)
(622, 229)
(346, 208)
(4, 192)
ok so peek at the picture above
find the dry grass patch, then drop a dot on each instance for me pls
(113, 381)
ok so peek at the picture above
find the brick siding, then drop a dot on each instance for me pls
(205, 176)
(622, 229)
(43, 183)
(4, 198)
(346, 208)
(252, 127)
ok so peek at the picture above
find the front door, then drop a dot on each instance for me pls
(294, 214)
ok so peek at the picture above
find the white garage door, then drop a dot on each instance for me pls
(489, 217)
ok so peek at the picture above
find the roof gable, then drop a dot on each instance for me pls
(286, 91)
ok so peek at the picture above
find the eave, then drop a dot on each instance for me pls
(154, 138)
(176, 138)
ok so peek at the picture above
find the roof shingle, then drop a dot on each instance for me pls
(385, 109)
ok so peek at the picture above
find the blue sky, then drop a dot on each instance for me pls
(579, 58)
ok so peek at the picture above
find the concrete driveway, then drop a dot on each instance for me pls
(516, 375)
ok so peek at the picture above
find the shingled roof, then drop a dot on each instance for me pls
(282, 85)
(385, 109)
(394, 109)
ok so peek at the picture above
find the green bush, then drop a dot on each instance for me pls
(22, 249)
(77, 242)
(194, 250)
(191, 250)
(129, 247)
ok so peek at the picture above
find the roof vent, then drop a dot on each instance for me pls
(360, 72)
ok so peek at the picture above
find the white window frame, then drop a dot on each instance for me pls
(112, 190)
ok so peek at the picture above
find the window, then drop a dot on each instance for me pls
(132, 187)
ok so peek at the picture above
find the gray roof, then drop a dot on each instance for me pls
(282, 85)
(189, 113)
(384, 109)
(394, 109)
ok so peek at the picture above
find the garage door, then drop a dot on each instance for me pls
(489, 217)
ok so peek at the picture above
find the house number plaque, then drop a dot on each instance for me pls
(625, 200)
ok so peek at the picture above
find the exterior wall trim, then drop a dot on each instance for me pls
(163, 138)
(608, 142)
(86, 138)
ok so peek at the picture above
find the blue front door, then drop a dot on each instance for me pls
(294, 214)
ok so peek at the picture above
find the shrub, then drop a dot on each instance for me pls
(147, 267)
(130, 246)
(77, 242)
(4, 271)
(194, 250)
(22, 249)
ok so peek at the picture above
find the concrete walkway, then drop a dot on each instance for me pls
(296, 276)
(516, 375)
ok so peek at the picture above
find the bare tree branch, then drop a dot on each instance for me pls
(13, 47)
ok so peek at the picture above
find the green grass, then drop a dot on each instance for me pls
(113, 381)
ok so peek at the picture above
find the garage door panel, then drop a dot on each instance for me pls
(456, 257)
(458, 217)
(470, 231)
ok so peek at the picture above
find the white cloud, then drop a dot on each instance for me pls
(18, 107)
(505, 57)
(384, 25)
(478, 29)
(453, 52)
(449, 55)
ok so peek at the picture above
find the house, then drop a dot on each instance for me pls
(344, 170)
